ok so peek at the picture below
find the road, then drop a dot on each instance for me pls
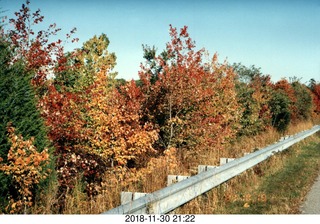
(312, 202)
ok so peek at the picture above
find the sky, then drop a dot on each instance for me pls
(282, 37)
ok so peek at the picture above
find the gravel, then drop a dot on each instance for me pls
(312, 202)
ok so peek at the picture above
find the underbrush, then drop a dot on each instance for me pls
(243, 194)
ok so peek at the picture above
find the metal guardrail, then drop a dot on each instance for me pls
(173, 196)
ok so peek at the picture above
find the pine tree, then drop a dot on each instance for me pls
(18, 107)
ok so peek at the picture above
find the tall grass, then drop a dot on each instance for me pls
(240, 190)
(248, 193)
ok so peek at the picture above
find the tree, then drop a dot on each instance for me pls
(253, 91)
(94, 58)
(34, 49)
(64, 102)
(246, 74)
(279, 106)
(114, 131)
(315, 89)
(151, 62)
(192, 103)
(66, 113)
(18, 106)
(304, 101)
(286, 88)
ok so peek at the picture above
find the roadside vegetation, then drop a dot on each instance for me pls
(73, 136)
(276, 186)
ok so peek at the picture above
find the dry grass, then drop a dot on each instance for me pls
(213, 202)
(46, 200)
(243, 194)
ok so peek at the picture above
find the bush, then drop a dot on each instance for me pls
(253, 92)
(25, 165)
(279, 106)
(304, 101)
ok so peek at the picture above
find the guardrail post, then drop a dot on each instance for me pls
(127, 197)
(172, 179)
(284, 138)
(203, 168)
(225, 160)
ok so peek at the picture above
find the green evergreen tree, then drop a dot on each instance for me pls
(18, 106)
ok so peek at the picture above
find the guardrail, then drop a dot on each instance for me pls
(173, 196)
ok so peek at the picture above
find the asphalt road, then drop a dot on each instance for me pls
(312, 202)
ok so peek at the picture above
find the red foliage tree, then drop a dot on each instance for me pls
(34, 48)
(61, 111)
(316, 97)
(191, 102)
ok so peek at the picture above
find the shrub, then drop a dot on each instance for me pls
(279, 106)
(27, 168)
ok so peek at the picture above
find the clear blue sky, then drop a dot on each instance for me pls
(282, 37)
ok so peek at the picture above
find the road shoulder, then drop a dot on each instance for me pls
(312, 203)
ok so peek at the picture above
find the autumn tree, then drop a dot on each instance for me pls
(315, 89)
(253, 91)
(34, 49)
(114, 131)
(192, 103)
(66, 94)
(75, 98)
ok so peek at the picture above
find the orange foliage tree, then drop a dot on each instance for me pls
(114, 131)
(262, 86)
(27, 167)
